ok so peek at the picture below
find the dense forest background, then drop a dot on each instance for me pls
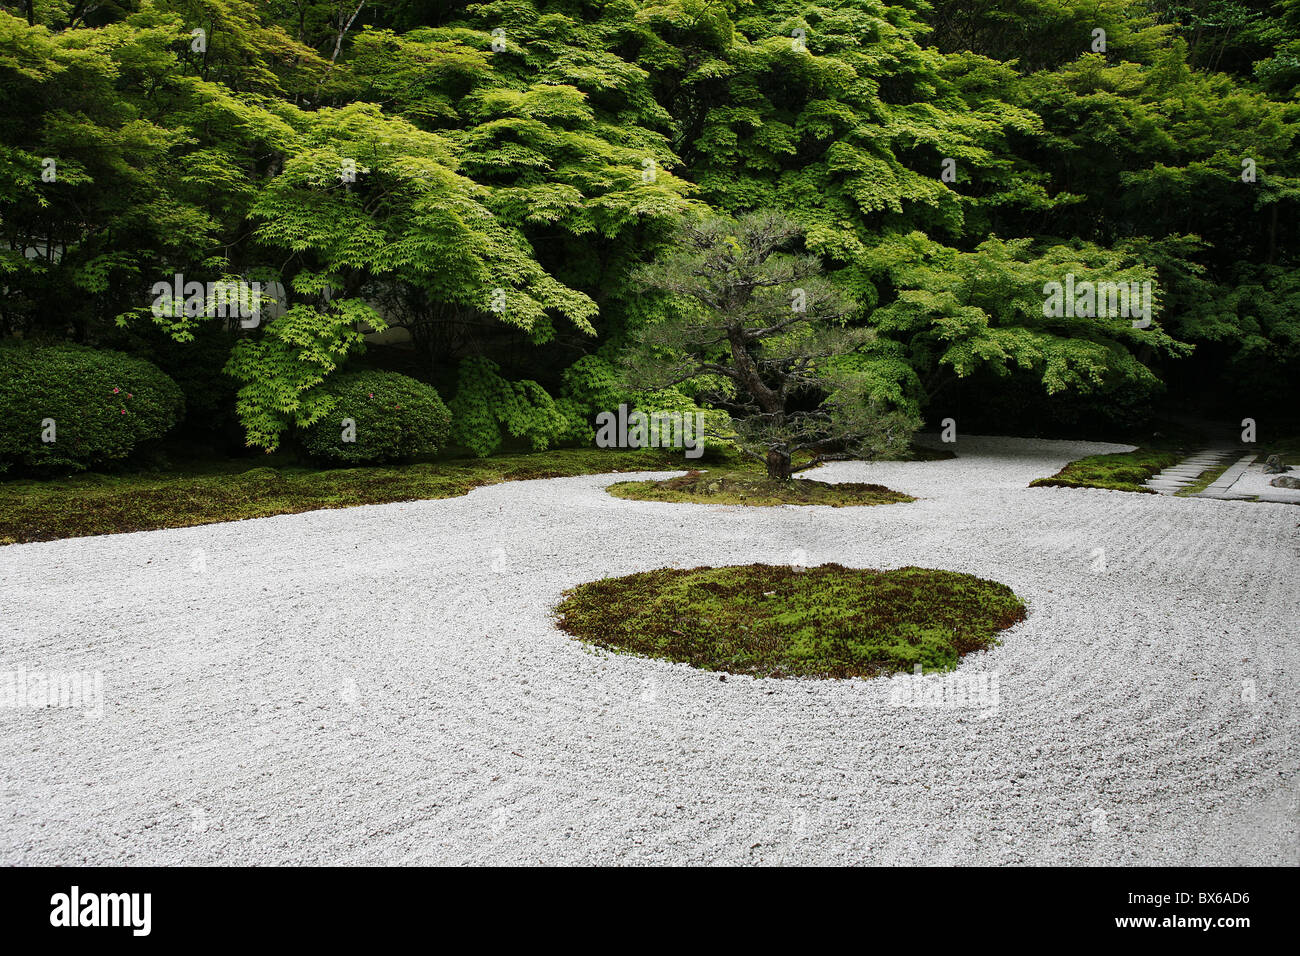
(461, 193)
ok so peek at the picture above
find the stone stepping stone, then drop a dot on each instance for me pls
(1222, 484)
(1177, 477)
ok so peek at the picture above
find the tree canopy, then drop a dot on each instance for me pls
(484, 180)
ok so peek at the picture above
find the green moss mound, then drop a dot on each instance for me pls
(90, 504)
(755, 488)
(1125, 471)
(775, 621)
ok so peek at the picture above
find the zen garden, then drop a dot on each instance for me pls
(635, 432)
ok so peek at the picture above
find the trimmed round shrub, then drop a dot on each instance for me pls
(67, 408)
(378, 417)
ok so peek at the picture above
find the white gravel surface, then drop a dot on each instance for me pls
(1256, 481)
(385, 685)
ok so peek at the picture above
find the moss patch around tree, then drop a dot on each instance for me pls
(754, 488)
(777, 621)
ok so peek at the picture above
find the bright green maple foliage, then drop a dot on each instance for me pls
(516, 161)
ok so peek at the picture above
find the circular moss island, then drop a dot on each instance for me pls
(751, 488)
(767, 620)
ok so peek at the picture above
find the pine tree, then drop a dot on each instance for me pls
(766, 328)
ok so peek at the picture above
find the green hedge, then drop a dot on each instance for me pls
(67, 408)
(393, 418)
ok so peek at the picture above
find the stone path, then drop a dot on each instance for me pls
(1177, 477)
(1243, 480)
(1221, 487)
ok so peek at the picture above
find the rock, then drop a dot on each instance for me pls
(1285, 481)
(1274, 466)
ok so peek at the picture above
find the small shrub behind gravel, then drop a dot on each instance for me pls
(393, 418)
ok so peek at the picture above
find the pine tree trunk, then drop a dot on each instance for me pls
(778, 464)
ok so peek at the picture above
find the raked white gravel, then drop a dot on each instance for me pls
(385, 685)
